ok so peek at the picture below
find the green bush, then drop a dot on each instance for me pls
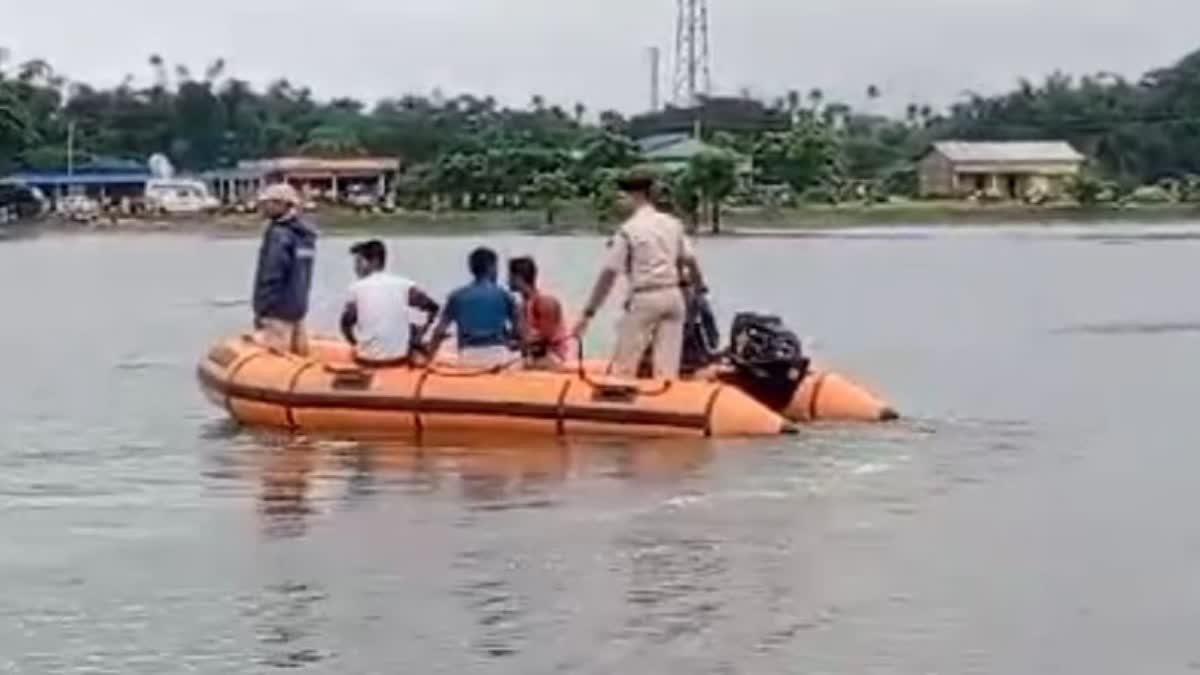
(1151, 194)
(820, 194)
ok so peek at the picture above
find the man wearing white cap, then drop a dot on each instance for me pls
(285, 269)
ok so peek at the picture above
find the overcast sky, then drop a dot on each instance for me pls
(595, 51)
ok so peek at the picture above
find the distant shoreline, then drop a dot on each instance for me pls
(577, 219)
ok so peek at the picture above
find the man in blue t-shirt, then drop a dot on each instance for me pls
(484, 314)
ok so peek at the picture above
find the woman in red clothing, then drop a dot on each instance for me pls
(546, 339)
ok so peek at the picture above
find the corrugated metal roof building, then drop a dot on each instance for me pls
(998, 169)
(99, 177)
(330, 176)
(674, 151)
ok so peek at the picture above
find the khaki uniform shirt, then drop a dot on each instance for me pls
(647, 249)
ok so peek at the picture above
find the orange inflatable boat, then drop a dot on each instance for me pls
(328, 392)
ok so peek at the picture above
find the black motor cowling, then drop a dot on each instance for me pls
(767, 360)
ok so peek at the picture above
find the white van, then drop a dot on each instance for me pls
(179, 195)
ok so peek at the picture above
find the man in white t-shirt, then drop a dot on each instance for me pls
(378, 318)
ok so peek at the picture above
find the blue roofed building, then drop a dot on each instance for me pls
(101, 179)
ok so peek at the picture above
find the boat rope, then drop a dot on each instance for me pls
(583, 375)
(431, 368)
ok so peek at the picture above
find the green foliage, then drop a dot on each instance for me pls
(900, 180)
(820, 194)
(548, 190)
(606, 198)
(607, 150)
(332, 141)
(714, 175)
(685, 194)
(1151, 194)
(805, 157)
(1088, 190)
(471, 152)
(1189, 188)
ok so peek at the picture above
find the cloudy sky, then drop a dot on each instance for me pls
(595, 51)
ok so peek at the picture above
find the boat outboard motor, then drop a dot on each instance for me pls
(766, 358)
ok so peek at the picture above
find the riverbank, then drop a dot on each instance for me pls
(578, 218)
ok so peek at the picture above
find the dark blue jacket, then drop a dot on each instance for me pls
(285, 270)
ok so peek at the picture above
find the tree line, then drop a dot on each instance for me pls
(467, 151)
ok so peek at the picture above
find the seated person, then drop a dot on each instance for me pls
(701, 337)
(377, 319)
(484, 314)
(546, 340)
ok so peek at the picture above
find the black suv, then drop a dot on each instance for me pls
(18, 202)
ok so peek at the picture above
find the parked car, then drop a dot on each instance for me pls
(361, 201)
(179, 196)
(79, 207)
(20, 202)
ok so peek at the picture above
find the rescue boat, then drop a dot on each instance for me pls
(328, 392)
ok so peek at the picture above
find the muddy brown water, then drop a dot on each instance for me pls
(1035, 513)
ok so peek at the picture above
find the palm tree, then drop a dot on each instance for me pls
(837, 115)
(612, 121)
(873, 92)
(580, 111)
(926, 115)
(214, 71)
(37, 70)
(160, 71)
(714, 175)
(816, 97)
(793, 106)
(538, 102)
(911, 112)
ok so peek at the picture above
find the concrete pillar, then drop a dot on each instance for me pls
(381, 189)
(333, 182)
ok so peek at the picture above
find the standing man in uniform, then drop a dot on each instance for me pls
(283, 280)
(649, 249)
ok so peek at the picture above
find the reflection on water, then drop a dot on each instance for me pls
(290, 469)
(303, 480)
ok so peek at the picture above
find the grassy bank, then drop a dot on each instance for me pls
(578, 218)
(953, 213)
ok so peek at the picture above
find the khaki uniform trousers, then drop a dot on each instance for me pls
(284, 336)
(652, 317)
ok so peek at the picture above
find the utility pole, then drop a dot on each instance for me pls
(71, 148)
(655, 69)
